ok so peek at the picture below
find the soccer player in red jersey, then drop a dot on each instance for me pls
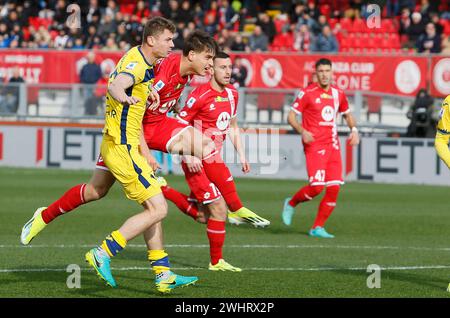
(211, 108)
(319, 105)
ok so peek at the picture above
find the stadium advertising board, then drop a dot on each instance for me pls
(272, 155)
(402, 75)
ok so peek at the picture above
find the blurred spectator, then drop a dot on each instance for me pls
(326, 41)
(60, 15)
(141, 11)
(434, 18)
(238, 44)
(93, 12)
(416, 28)
(225, 40)
(284, 41)
(238, 73)
(299, 9)
(430, 41)
(9, 97)
(108, 26)
(258, 41)
(420, 115)
(267, 26)
(90, 74)
(227, 15)
(61, 39)
(211, 20)
(354, 11)
(111, 8)
(110, 45)
(302, 39)
(405, 21)
(186, 14)
(312, 10)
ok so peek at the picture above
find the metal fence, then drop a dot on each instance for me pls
(257, 107)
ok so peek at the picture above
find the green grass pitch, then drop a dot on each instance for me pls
(402, 228)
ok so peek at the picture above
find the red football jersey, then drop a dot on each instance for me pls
(169, 84)
(211, 110)
(319, 109)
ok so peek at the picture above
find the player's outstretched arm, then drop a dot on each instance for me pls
(351, 123)
(235, 136)
(118, 86)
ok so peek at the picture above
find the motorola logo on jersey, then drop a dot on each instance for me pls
(328, 113)
(223, 121)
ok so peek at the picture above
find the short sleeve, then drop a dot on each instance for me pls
(190, 109)
(137, 70)
(343, 104)
(299, 103)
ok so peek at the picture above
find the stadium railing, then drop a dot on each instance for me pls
(257, 107)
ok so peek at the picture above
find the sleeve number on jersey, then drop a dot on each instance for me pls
(320, 176)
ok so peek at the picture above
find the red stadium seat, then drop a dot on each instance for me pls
(346, 24)
(359, 25)
(332, 22)
(325, 9)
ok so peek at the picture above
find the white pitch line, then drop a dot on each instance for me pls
(368, 247)
(274, 269)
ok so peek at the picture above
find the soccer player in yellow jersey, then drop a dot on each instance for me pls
(443, 136)
(443, 132)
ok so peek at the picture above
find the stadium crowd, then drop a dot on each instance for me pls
(247, 25)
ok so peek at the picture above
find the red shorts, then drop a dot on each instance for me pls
(160, 134)
(101, 164)
(202, 190)
(324, 166)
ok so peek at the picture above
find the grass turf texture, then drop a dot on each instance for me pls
(400, 227)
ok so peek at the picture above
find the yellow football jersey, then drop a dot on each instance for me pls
(123, 123)
(443, 126)
(443, 132)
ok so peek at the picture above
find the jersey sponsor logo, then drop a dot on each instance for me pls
(326, 96)
(159, 85)
(221, 99)
(328, 113)
(131, 65)
(190, 102)
(179, 86)
(212, 107)
(295, 105)
(183, 114)
(223, 121)
(301, 94)
(317, 100)
(321, 152)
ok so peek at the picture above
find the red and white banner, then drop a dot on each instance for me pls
(440, 76)
(402, 75)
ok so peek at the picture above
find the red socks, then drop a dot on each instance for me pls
(327, 205)
(219, 174)
(72, 199)
(181, 201)
(216, 236)
(305, 194)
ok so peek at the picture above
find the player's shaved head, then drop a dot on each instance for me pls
(199, 41)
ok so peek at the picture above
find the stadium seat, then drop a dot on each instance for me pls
(359, 26)
(270, 102)
(346, 24)
(374, 106)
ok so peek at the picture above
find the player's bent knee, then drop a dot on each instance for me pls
(93, 193)
(218, 209)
